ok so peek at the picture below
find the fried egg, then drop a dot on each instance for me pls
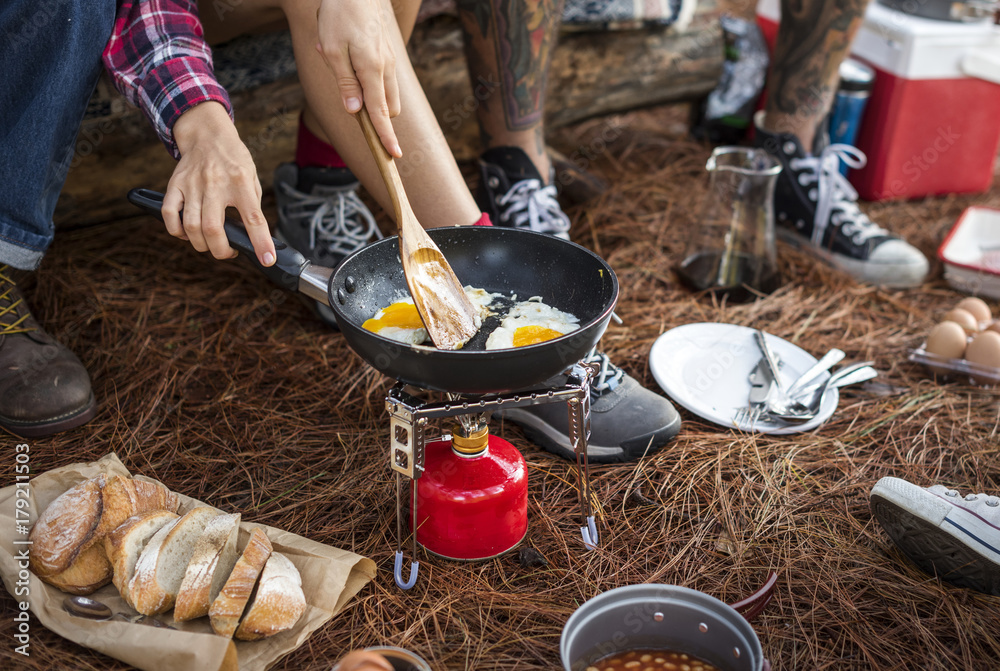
(401, 322)
(530, 322)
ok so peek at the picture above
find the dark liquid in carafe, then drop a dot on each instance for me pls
(700, 272)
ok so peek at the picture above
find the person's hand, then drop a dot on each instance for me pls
(359, 660)
(216, 171)
(354, 42)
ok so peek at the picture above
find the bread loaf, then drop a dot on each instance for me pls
(227, 608)
(161, 566)
(90, 571)
(68, 549)
(211, 563)
(279, 602)
(64, 528)
(124, 497)
(124, 545)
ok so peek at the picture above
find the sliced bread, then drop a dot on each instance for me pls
(211, 563)
(64, 528)
(161, 566)
(124, 545)
(124, 497)
(279, 602)
(227, 608)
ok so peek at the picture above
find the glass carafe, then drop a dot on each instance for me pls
(733, 249)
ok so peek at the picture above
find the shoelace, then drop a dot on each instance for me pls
(836, 199)
(529, 203)
(11, 318)
(337, 218)
(991, 501)
(608, 377)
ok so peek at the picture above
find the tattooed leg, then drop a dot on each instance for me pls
(509, 45)
(814, 38)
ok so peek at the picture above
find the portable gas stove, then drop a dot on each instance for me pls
(507, 261)
(408, 445)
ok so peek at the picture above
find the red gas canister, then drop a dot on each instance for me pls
(472, 497)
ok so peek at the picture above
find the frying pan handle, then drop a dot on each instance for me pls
(286, 269)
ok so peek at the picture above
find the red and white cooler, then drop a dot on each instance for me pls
(932, 123)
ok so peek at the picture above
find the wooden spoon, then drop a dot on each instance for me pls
(446, 311)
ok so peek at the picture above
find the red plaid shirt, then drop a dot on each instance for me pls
(159, 60)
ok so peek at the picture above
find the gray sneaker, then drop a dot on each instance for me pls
(320, 214)
(627, 420)
(956, 538)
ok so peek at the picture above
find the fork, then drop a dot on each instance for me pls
(761, 382)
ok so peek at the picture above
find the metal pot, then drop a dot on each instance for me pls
(660, 617)
(401, 660)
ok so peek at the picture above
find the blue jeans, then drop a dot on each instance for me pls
(49, 64)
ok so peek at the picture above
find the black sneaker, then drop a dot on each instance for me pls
(44, 389)
(627, 420)
(816, 207)
(320, 215)
(512, 193)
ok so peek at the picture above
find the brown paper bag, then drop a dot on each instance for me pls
(330, 578)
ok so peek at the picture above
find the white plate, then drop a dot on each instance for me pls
(704, 367)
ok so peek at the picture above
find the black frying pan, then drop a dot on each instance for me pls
(500, 260)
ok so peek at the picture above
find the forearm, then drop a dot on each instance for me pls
(813, 39)
(158, 59)
(204, 124)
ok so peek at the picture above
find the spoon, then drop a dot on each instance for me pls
(832, 357)
(90, 609)
(81, 606)
(848, 375)
(446, 311)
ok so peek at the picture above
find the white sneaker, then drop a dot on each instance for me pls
(956, 538)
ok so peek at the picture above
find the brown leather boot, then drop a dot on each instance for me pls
(44, 388)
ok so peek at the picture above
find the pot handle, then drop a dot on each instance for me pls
(752, 606)
(289, 263)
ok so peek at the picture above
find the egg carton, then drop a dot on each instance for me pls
(960, 369)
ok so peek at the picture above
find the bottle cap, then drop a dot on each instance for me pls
(856, 76)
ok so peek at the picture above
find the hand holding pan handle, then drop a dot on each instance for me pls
(290, 271)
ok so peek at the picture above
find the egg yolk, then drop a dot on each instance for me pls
(531, 335)
(400, 315)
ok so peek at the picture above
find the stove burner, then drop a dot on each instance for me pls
(407, 441)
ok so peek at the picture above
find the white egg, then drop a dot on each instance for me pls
(530, 322)
(481, 299)
(401, 322)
